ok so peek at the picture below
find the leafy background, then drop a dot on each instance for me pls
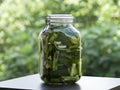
(22, 20)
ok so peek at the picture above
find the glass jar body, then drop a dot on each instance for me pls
(60, 54)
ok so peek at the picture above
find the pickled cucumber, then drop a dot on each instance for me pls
(61, 55)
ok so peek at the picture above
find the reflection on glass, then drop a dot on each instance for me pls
(59, 87)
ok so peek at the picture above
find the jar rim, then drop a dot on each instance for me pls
(50, 16)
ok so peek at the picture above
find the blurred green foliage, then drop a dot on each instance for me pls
(22, 20)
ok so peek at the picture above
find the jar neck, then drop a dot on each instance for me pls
(58, 24)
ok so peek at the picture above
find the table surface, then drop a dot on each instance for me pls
(33, 82)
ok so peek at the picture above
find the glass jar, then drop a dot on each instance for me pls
(60, 50)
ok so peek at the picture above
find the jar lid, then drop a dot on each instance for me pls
(60, 18)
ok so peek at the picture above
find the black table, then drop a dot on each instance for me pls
(85, 83)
